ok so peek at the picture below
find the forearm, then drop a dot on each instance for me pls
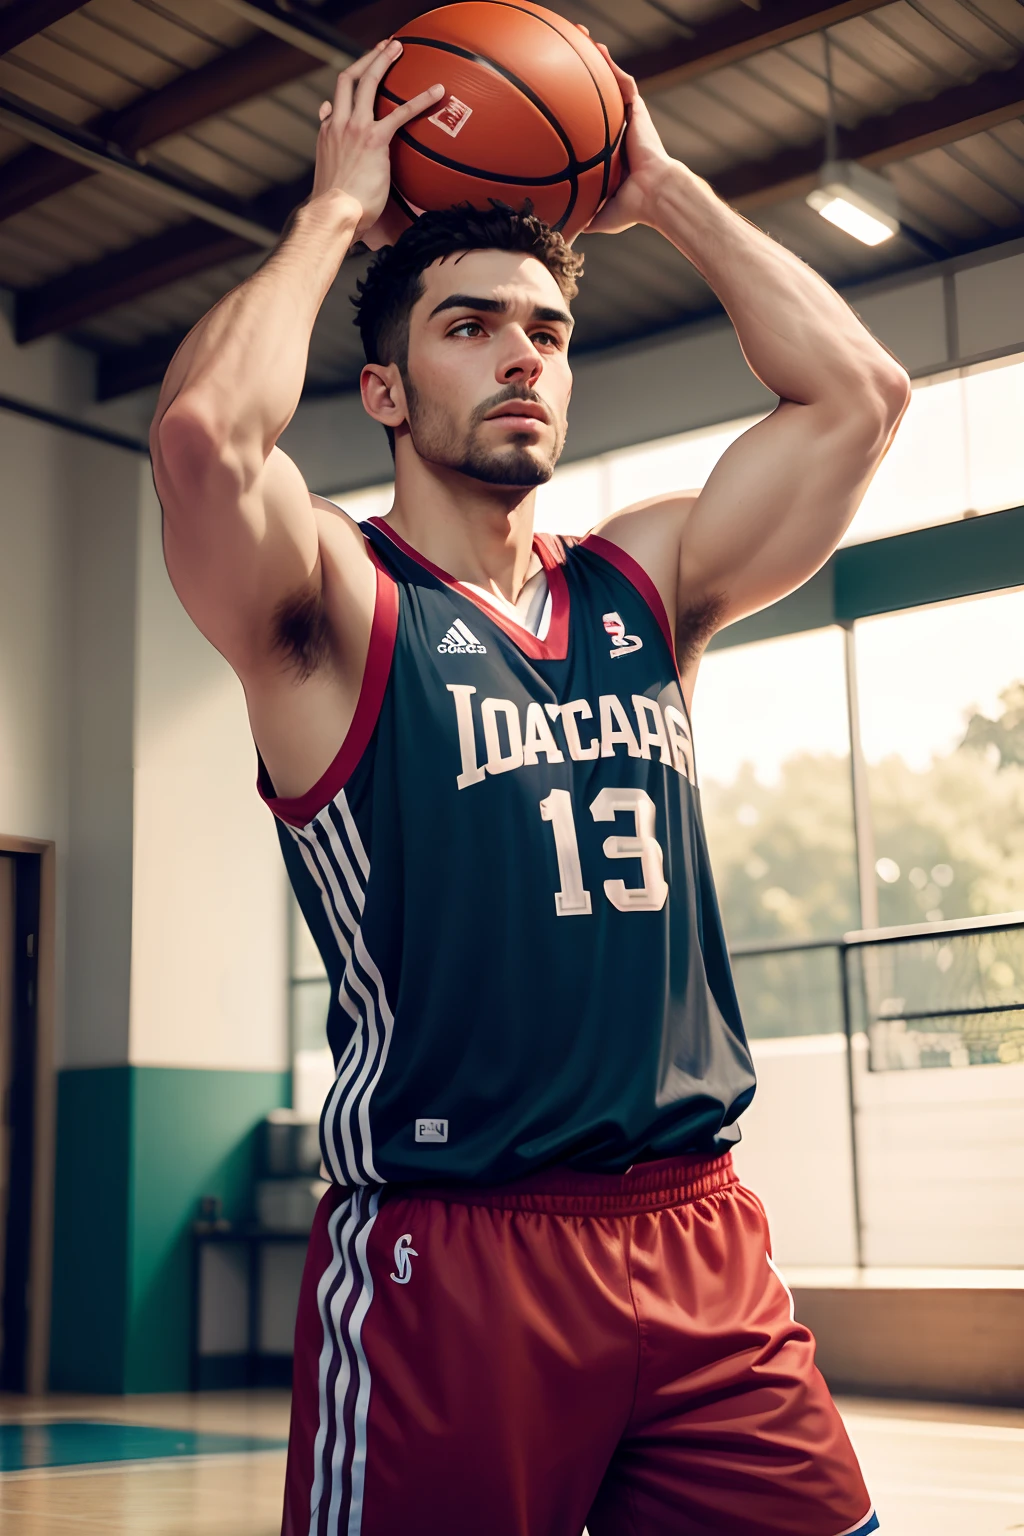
(241, 369)
(799, 337)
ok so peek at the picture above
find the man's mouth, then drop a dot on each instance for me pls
(518, 411)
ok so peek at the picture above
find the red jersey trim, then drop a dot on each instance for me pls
(555, 646)
(300, 810)
(637, 577)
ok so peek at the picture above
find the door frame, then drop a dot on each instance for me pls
(44, 1148)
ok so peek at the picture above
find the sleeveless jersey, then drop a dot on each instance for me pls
(506, 874)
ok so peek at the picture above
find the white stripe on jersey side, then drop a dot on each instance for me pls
(327, 1279)
(312, 855)
(342, 859)
(348, 1102)
(355, 841)
(327, 1143)
(388, 1022)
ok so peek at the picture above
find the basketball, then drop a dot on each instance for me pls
(531, 110)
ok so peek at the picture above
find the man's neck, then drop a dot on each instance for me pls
(476, 532)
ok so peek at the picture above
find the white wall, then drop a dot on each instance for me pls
(940, 1155)
(34, 590)
(209, 937)
(102, 521)
(123, 737)
(796, 1152)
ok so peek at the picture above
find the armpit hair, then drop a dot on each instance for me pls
(302, 633)
(695, 627)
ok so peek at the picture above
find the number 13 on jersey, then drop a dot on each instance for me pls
(572, 899)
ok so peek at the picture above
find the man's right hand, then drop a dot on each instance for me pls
(353, 149)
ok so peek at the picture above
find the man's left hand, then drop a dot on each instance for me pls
(646, 162)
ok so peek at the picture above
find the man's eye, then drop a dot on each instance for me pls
(467, 328)
(547, 338)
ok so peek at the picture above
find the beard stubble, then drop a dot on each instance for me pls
(437, 438)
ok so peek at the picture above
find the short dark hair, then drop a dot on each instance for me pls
(394, 279)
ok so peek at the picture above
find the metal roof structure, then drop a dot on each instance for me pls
(151, 150)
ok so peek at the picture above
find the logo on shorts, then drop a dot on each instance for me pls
(431, 1130)
(452, 117)
(403, 1253)
(622, 643)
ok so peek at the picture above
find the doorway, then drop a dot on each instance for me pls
(20, 890)
(27, 1109)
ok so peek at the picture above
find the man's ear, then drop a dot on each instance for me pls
(383, 392)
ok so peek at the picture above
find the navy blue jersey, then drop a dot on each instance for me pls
(506, 874)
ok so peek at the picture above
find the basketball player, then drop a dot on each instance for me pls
(536, 1295)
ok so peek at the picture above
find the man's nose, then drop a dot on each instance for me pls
(521, 363)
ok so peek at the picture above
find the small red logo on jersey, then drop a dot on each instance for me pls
(452, 117)
(623, 644)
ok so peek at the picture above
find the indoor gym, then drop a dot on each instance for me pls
(860, 743)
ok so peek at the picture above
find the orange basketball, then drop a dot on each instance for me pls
(531, 109)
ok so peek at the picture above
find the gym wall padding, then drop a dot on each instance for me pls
(137, 1148)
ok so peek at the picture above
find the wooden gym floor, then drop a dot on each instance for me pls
(933, 1470)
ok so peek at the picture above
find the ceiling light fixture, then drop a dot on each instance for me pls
(858, 201)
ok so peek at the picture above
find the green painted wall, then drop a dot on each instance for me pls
(90, 1248)
(136, 1149)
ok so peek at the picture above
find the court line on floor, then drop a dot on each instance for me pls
(88, 1469)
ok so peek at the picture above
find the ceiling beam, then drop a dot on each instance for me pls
(253, 69)
(259, 66)
(738, 35)
(85, 149)
(995, 97)
(129, 274)
(25, 18)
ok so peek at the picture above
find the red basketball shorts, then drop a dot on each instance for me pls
(576, 1349)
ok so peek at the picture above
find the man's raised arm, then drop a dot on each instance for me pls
(781, 496)
(240, 529)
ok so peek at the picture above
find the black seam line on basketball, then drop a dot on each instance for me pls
(506, 5)
(506, 74)
(573, 169)
(474, 173)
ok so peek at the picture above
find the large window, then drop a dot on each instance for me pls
(942, 727)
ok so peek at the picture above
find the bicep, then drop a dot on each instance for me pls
(776, 505)
(237, 546)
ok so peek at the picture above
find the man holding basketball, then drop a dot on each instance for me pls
(536, 1295)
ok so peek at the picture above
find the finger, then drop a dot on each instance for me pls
(344, 90)
(326, 109)
(626, 83)
(586, 33)
(374, 73)
(356, 71)
(412, 108)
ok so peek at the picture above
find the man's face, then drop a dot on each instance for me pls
(488, 380)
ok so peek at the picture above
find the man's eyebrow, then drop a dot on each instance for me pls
(467, 301)
(498, 307)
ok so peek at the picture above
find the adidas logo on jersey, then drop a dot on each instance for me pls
(461, 641)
